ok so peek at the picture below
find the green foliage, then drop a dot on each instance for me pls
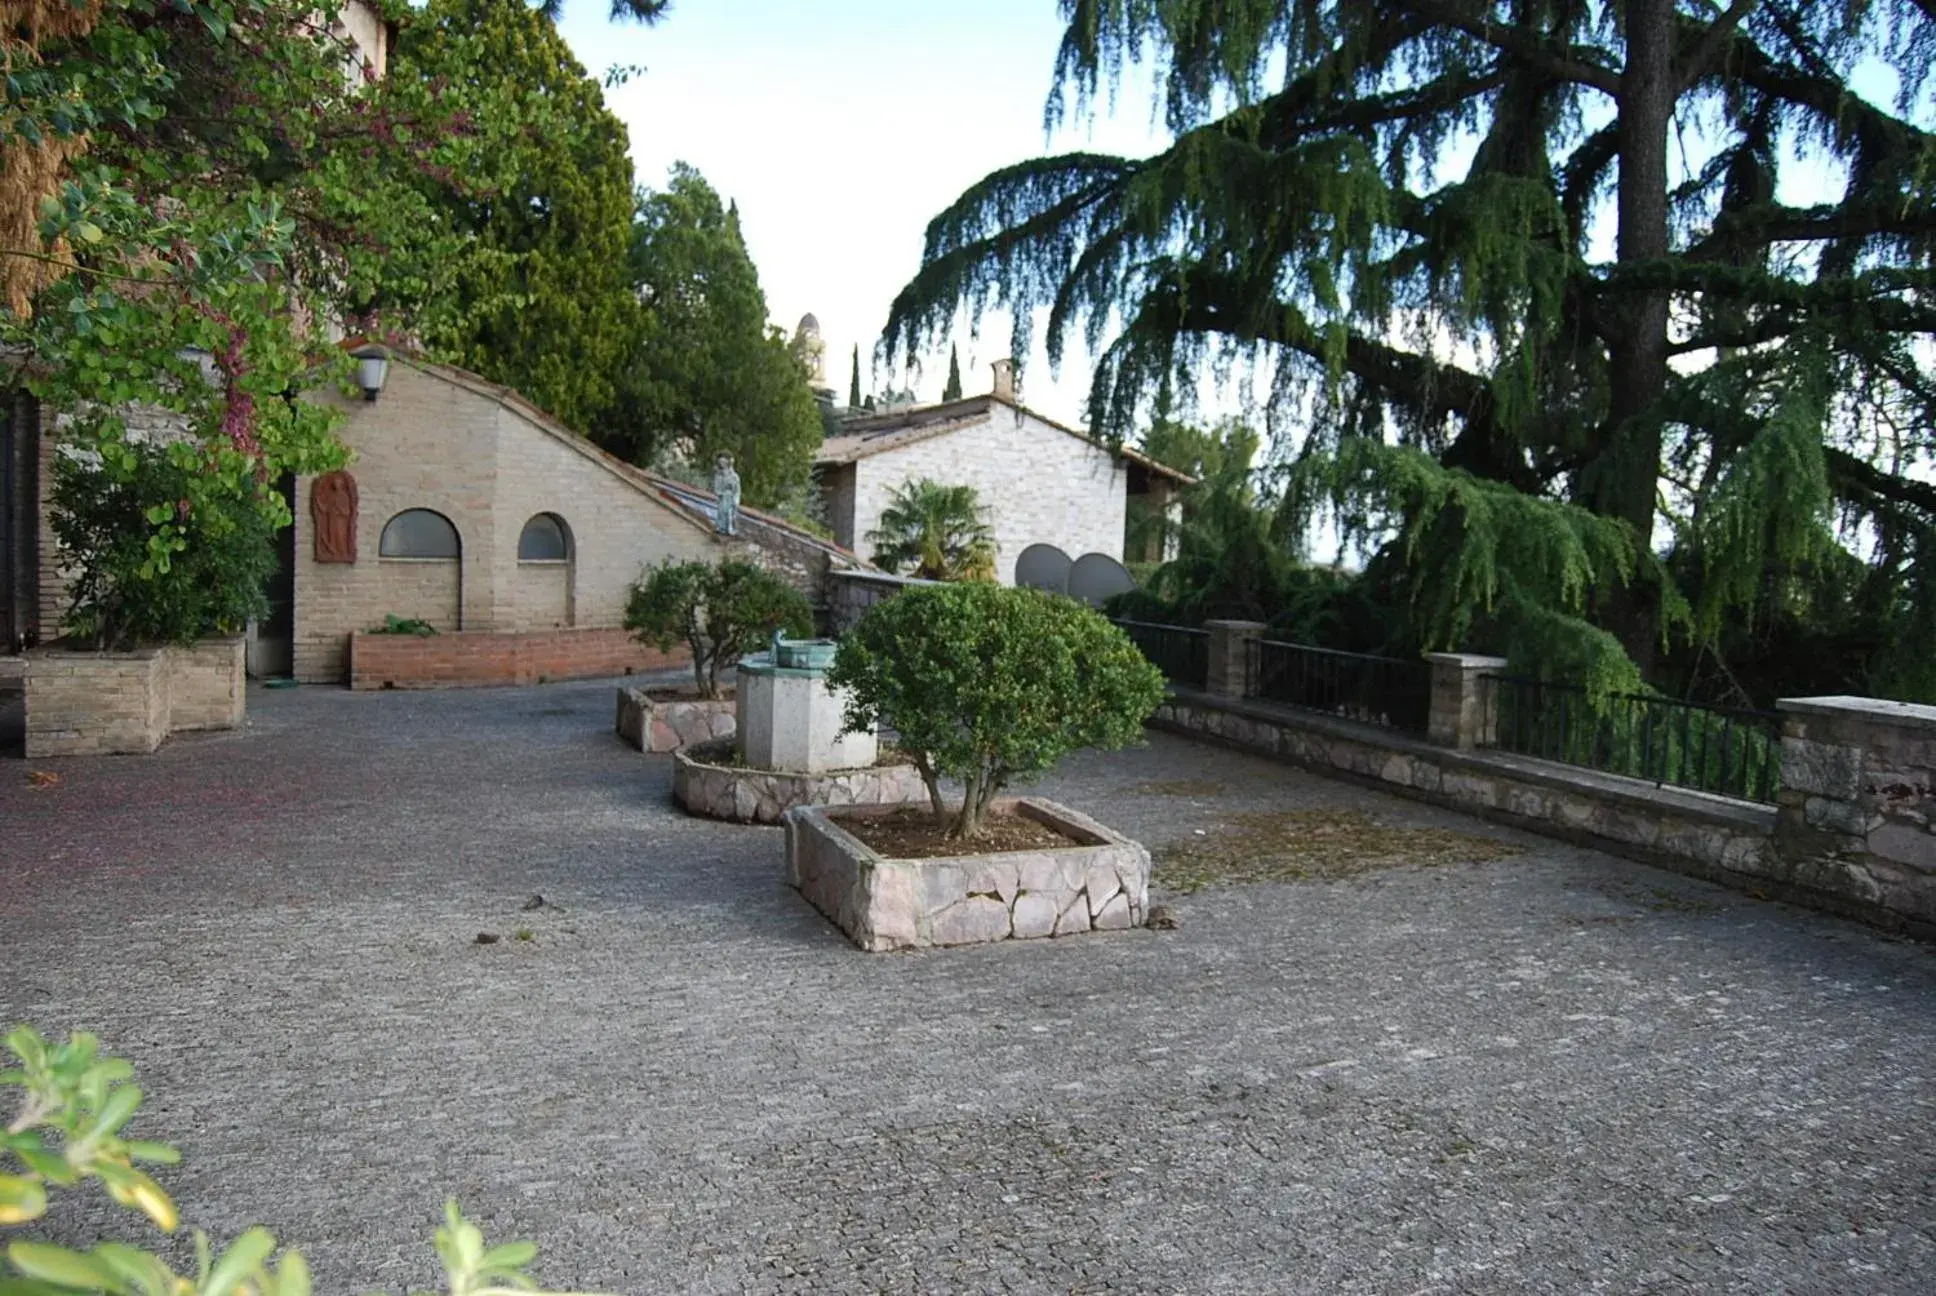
(937, 531)
(853, 381)
(74, 1105)
(521, 273)
(161, 552)
(952, 391)
(1537, 247)
(989, 684)
(396, 625)
(720, 612)
(709, 375)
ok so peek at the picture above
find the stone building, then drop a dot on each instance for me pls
(1042, 483)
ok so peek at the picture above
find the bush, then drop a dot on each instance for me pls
(74, 1106)
(396, 625)
(158, 555)
(720, 612)
(987, 685)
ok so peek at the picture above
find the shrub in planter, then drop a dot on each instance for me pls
(989, 685)
(160, 553)
(74, 1106)
(721, 612)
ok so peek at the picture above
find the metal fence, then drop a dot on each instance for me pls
(1724, 750)
(1388, 691)
(1182, 653)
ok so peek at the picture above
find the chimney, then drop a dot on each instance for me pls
(1004, 379)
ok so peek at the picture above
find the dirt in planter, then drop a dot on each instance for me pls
(1312, 846)
(912, 832)
(686, 693)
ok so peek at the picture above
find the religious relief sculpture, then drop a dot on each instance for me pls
(726, 487)
(332, 508)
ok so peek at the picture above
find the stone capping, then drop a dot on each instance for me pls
(894, 904)
(1906, 715)
(740, 794)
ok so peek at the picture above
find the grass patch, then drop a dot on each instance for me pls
(1312, 846)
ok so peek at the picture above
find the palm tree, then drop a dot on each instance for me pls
(938, 529)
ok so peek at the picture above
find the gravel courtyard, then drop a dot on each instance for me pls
(1551, 1071)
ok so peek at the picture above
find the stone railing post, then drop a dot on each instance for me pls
(1857, 808)
(1229, 672)
(1463, 710)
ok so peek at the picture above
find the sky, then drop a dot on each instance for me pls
(841, 127)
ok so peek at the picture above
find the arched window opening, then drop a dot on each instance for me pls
(418, 533)
(545, 538)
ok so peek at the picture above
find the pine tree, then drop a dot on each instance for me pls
(952, 392)
(853, 382)
(1490, 383)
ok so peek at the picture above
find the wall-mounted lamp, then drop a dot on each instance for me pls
(372, 367)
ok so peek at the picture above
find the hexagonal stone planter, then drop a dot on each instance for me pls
(662, 725)
(706, 783)
(1099, 882)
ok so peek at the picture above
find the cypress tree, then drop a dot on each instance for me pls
(853, 383)
(952, 391)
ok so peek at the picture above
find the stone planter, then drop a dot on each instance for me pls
(1101, 884)
(94, 703)
(667, 726)
(706, 785)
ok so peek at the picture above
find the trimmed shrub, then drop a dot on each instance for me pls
(721, 612)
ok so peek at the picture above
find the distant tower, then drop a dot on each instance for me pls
(812, 350)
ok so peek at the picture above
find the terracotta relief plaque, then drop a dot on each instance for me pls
(332, 507)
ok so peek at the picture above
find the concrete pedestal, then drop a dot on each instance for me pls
(790, 720)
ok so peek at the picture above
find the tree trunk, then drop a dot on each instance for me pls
(1623, 479)
(967, 824)
(931, 781)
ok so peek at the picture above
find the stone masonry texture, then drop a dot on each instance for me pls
(1557, 1072)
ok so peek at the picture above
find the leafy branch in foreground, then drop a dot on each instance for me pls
(73, 1107)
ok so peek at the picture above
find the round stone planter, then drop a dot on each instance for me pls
(663, 726)
(706, 785)
(1098, 882)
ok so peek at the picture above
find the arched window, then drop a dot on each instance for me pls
(546, 538)
(418, 533)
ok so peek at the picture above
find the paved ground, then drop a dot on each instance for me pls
(1556, 1072)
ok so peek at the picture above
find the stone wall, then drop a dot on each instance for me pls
(851, 593)
(1858, 802)
(1039, 484)
(481, 657)
(93, 704)
(207, 685)
(742, 795)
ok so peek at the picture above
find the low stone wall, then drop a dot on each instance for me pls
(706, 785)
(889, 904)
(1808, 855)
(851, 593)
(656, 727)
(1858, 803)
(471, 658)
(96, 704)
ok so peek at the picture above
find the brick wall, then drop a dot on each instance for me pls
(1039, 485)
(508, 657)
(432, 442)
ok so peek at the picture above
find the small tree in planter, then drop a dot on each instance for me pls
(721, 612)
(988, 685)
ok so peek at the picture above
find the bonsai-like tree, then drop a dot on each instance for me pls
(937, 530)
(720, 612)
(988, 684)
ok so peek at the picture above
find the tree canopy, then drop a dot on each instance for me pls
(1609, 323)
(709, 374)
(530, 286)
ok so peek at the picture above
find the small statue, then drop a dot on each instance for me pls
(726, 487)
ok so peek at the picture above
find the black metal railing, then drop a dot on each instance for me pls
(1388, 691)
(1728, 751)
(1182, 653)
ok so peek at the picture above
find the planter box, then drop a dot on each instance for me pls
(94, 704)
(742, 795)
(1101, 884)
(667, 726)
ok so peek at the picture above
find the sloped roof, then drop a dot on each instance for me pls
(873, 434)
(693, 504)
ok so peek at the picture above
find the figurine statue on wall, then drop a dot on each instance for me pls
(726, 487)
(332, 510)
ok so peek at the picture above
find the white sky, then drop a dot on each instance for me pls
(841, 128)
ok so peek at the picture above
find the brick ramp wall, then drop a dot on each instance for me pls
(482, 657)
